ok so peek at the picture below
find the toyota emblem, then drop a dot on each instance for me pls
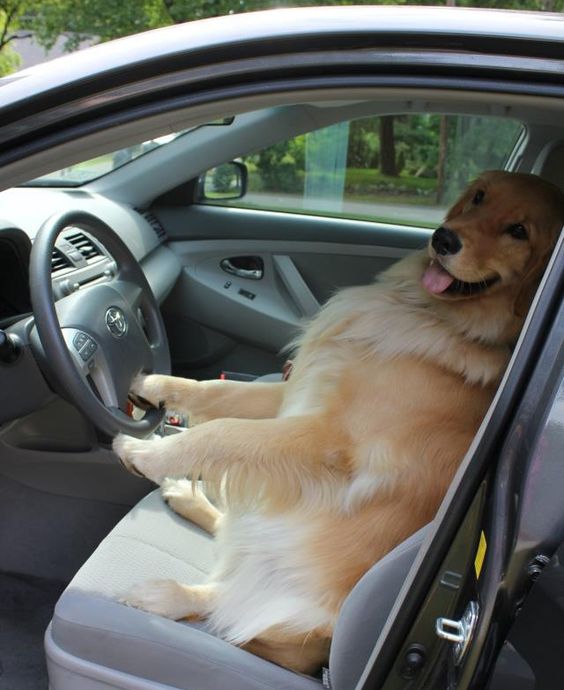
(116, 322)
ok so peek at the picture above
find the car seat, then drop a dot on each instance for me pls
(96, 643)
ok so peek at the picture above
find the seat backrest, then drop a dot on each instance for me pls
(550, 164)
(366, 610)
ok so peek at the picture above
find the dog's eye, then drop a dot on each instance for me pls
(517, 231)
(478, 197)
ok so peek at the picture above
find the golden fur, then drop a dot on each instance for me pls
(355, 451)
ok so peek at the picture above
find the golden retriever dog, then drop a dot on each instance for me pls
(325, 473)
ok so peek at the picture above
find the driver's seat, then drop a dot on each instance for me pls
(96, 643)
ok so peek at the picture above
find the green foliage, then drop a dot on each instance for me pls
(78, 20)
(469, 145)
(280, 167)
(223, 178)
(364, 144)
(107, 19)
(417, 144)
(10, 11)
(9, 60)
(365, 181)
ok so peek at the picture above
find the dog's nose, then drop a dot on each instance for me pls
(446, 241)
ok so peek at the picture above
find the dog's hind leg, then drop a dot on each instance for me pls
(189, 501)
(302, 652)
(172, 599)
(205, 400)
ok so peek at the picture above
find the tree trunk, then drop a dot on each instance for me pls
(387, 146)
(443, 139)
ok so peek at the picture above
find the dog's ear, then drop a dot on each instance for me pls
(480, 183)
(530, 283)
(538, 262)
(458, 206)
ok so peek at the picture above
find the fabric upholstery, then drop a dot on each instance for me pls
(549, 164)
(153, 542)
(265, 378)
(366, 610)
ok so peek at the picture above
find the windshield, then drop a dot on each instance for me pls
(86, 171)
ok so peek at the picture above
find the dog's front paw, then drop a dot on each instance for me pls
(139, 457)
(148, 390)
(163, 597)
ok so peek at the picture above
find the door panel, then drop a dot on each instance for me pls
(204, 222)
(220, 321)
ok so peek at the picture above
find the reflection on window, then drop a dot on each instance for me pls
(395, 168)
(86, 171)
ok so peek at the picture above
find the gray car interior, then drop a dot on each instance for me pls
(76, 529)
(152, 542)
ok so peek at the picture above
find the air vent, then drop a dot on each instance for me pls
(59, 261)
(84, 245)
(155, 223)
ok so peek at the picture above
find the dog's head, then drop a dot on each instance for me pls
(497, 237)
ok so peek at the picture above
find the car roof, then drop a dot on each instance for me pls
(125, 91)
(501, 31)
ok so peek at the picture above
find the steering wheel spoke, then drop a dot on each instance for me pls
(93, 366)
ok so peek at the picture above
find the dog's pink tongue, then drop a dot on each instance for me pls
(436, 279)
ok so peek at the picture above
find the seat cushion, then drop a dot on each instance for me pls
(90, 624)
(266, 378)
(153, 542)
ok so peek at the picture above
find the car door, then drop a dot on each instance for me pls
(320, 211)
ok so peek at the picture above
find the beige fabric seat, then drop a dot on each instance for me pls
(96, 643)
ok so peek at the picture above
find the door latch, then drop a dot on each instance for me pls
(459, 632)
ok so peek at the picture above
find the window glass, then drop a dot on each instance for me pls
(404, 169)
(86, 171)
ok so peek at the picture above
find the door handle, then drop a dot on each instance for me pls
(248, 267)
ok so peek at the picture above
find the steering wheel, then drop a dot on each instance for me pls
(96, 339)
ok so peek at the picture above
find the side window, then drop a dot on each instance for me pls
(404, 169)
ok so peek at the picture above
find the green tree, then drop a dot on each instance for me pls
(103, 20)
(388, 163)
(364, 143)
(10, 13)
(107, 19)
(281, 166)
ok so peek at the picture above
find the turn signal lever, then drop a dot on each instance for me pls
(9, 348)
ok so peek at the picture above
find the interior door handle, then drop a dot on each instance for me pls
(248, 267)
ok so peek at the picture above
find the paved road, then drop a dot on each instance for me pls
(394, 213)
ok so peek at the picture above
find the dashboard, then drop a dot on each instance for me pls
(15, 248)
